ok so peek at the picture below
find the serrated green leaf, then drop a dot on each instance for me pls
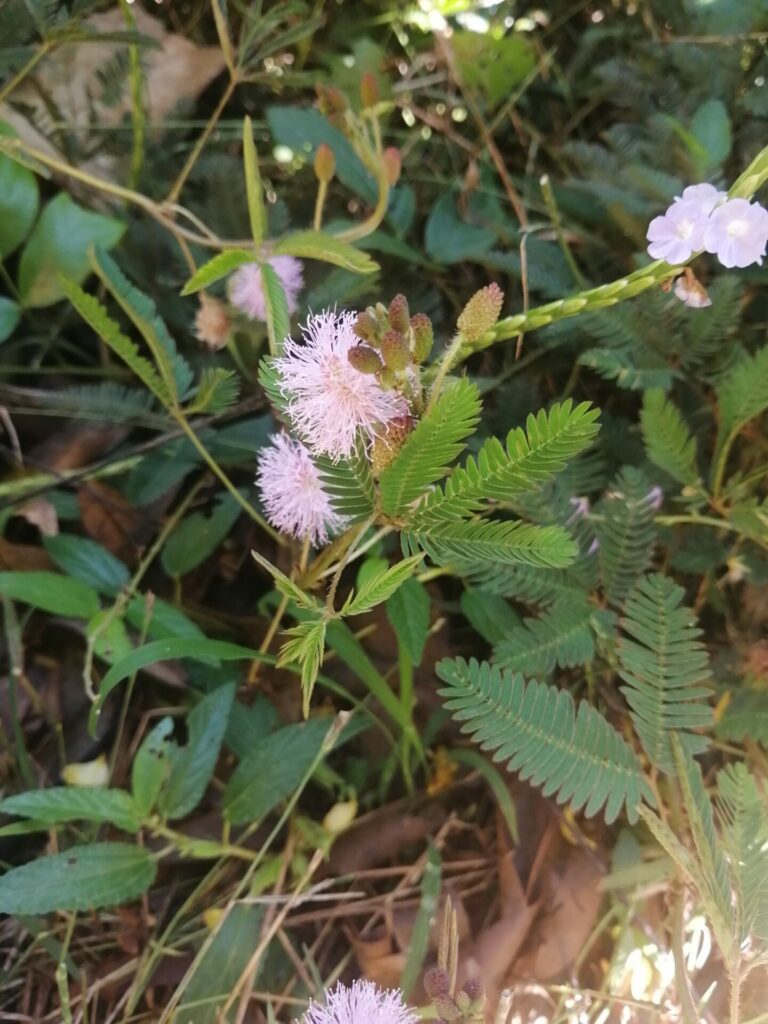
(193, 764)
(60, 804)
(151, 765)
(431, 447)
(257, 214)
(319, 245)
(408, 612)
(276, 304)
(381, 586)
(220, 265)
(51, 592)
(83, 878)
(273, 770)
(198, 535)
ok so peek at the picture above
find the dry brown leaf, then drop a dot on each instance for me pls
(22, 557)
(110, 519)
(40, 512)
(575, 902)
(379, 837)
(377, 957)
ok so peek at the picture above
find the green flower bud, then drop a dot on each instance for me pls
(481, 312)
(325, 163)
(399, 314)
(423, 336)
(395, 351)
(364, 359)
(387, 378)
(389, 441)
(366, 328)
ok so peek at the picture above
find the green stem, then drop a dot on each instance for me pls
(222, 476)
(197, 149)
(450, 357)
(369, 225)
(19, 77)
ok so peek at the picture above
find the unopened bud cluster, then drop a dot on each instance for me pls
(464, 1005)
(481, 312)
(391, 341)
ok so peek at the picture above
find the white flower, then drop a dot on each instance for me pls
(679, 233)
(705, 196)
(737, 233)
(362, 1003)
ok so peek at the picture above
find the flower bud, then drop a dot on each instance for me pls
(325, 163)
(340, 817)
(399, 314)
(364, 359)
(212, 325)
(473, 989)
(330, 99)
(393, 164)
(481, 312)
(446, 1008)
(369, 90)
(366, 328)
(395, 351)
(423, 336)
(436, 982)
(389, 441)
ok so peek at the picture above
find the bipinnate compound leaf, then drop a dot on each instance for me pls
(668, 441)
(380, 586)
(349, 484)
(561, 637)
(82, 878)
(473, 546)
(569, 750)
(432, 446)
(666, 668)
(626, 532)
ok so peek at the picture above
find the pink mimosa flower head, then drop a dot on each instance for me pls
(246, 288)
(361, 1003)
(292, 491)
(737, 232)
(677, 235)
(328, 400)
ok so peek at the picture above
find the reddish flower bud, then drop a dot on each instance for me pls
(398, 314)
(325, 163)
(436, 982)
(369, 90)
(481, 312)
(395, 351)
(393, 164)
(364, 359)
(423, 336)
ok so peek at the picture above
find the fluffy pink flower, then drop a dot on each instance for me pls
(737, 232)
(362, 1003)
(679, 233)
(292, 491)
(246, 290)
(329, 400)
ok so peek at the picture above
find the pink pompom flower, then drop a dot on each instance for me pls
(246, 288)
(679, 233)
(737, 233)
(328, 400)
(361, 1003)
(292, 491)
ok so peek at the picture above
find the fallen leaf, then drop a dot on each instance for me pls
(110, 519)
(22, 557)
(40, 512)
(378, 958)
(379, 837)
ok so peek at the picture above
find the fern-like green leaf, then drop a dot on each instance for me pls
(743, 812)
(561, 637)
(141, 311)
(530, 458)
(271, 382)
(571, 751)
(745, 717)
(305, 648)
(625, 530)
(380, 586)
(665, 666)
(668, 440)
(429, 450)
(529, 583)
(276, 304)
(742, 395)
(349, 484)
(218, 389)
(96, 316)
(468, 547)
(221, 265)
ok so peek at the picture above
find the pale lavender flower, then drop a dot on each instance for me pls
(329, 400)
(292, 492)
(246, 289)
(361, 1003)
(705, 196)
(580, 507)
(737, 233)
(655, 497)
(678, 234)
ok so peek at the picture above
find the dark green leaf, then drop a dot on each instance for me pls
(71, 803)
(51, 592)
(87, 561)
